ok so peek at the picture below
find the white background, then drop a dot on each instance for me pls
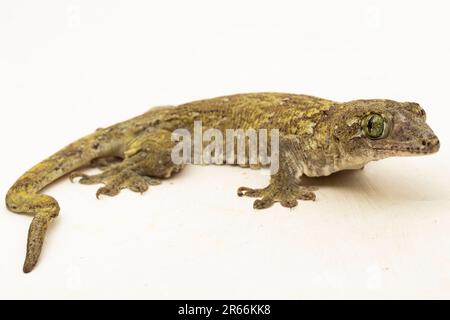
(68, 67)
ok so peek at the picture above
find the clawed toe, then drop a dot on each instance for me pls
(75, 175)
(138, 184)
(289, 203)
(86, 179)
(107, 191)
(308, 195)
(152, 181)
(263, 203)
(249, 192)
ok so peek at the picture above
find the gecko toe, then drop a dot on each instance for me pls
(138, 184)
(307, 195)
(86, 179)
(75, 175)
(309, 188)
(263, 203)
(107, 191)
(152, 181)
(249, 192)
(289, 203)
(91, 180)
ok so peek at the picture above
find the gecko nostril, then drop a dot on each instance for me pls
(432, 142)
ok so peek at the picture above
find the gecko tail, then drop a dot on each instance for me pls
(36, 236)
(25, 197)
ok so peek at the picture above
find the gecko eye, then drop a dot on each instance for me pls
(373, 126)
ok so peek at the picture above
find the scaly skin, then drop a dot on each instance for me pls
(317, 137)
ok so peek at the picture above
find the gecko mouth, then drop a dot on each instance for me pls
(427, 147)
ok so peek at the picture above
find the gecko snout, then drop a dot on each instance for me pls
(431, 144)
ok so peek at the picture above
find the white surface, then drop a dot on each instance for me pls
(68, 67)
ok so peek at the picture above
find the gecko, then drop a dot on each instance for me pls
(317, 137)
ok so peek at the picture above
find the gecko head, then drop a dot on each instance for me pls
(377, 129)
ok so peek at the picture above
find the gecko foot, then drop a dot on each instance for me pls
(115, 181)
(287, 196)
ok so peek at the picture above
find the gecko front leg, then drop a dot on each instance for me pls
(284, 185)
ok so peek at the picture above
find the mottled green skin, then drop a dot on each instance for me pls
(317, 137)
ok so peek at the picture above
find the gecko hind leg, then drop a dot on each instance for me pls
(146, 161)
